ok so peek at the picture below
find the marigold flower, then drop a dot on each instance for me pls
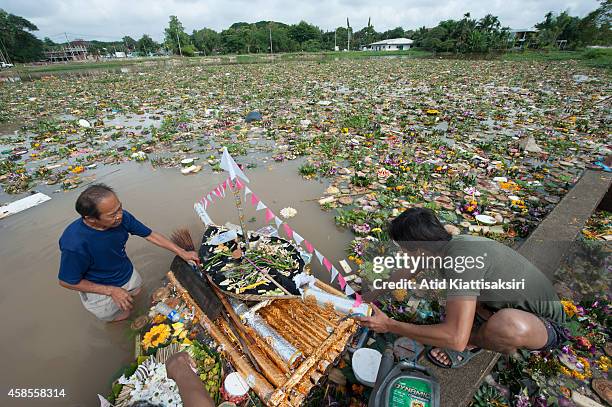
(569, 308)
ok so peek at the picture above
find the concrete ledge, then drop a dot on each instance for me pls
(546, 247)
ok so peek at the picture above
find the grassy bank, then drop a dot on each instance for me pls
(599, 58)
(593, 57)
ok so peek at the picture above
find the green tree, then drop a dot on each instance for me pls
(303, 32)
(176, 38)
(232, 42)
(558, 27)
(206, 40)
(146, 44)
(397, 32)
(48, 42)
(595, 28)
(129, 42)
(18, 42)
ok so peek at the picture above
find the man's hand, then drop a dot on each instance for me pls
(189, 256)
(122, 298)
(378, 322)
(161, 241)
(179, 364)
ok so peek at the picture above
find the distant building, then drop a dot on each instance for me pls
(73, 51)
(393, 44)
(522, 37)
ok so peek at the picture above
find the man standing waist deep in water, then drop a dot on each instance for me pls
(94, 261)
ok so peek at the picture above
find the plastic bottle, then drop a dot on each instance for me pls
(172, 314)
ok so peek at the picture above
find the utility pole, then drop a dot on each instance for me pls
(348, 35)
(179, 43)
(270, 27)
(335, 44)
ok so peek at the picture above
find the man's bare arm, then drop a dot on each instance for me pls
(160, 240)
(452, 333)
(122, 298)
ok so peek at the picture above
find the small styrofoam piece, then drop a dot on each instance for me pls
(365, 365)
(235, 385)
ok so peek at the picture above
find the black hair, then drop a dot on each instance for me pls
(418, 225)
(87, 203)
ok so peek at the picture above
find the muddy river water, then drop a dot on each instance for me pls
(49, 340)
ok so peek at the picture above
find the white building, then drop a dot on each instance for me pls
(393, 44)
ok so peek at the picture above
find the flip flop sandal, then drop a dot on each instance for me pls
(603, 166)
(603, 388)
(457, 359)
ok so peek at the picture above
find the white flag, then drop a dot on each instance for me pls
(229, 165)
(348, 290)
(319, 256)
(260, 206)
(298, 239)
(334, 274)
(199, 209)
(278, 221)
(247, 192)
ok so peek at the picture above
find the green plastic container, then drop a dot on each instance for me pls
(407, 385)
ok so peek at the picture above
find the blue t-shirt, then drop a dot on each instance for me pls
(98, 255)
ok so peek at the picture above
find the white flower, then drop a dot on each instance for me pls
(288, 212)
(139, 156)
(156, 387)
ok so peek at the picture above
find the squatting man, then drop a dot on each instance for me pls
(527, 315)
(93, 257)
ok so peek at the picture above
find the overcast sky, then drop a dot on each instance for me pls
(112, 19)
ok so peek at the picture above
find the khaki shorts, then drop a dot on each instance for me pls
(103, 306)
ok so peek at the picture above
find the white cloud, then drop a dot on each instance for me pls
(112, 19)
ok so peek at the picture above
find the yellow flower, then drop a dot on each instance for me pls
(159, 318)
(604, 364)
(399, 187)
(133, 148)
(351, 258)
(376, 230)
(345, 130)
(78, 169)
(565, 371)
(433, 111)
(359, 261)
(399, 295)
(156, 336)
(509, 186)
(569, 308)
(179, 329)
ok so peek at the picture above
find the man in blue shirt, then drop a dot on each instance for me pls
(94, 261)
